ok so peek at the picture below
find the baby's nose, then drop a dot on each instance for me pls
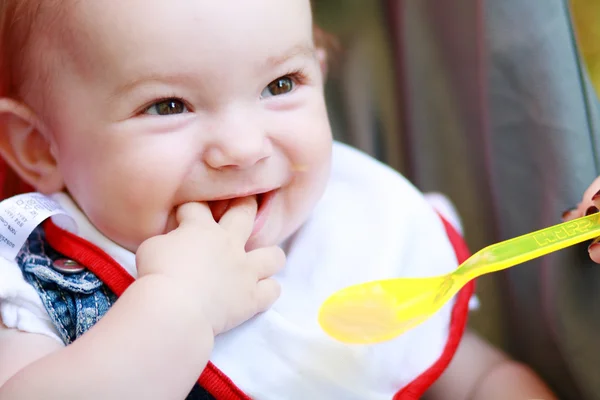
(239, 150)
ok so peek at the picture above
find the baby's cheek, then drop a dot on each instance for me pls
(302, 200)
(128, 225)
(120, 209)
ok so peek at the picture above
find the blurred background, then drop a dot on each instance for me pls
(492, 103)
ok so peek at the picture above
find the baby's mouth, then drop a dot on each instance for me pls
(220, 207)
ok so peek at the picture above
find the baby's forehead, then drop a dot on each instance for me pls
(99, 34)
(221, 23)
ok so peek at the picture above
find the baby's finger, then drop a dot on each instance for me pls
(267, 292)
(240, 216)
(594, 250)
(267, 261)
(196, 213)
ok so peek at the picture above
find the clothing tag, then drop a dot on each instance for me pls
(19, 216)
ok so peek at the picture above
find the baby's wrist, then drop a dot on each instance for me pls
(186, 301)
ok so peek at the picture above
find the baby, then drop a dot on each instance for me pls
(189, 142)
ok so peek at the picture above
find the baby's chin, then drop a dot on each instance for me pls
(272, 235)
(132, 239)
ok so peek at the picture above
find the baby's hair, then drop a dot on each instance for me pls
(325, 40)
(14, 17)
(23, 22)
(19, 20)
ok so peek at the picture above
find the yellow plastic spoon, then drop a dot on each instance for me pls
(377, 311)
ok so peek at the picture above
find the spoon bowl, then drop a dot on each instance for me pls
(368, 313)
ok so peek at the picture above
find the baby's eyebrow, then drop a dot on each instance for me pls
(302, 49)
(154, 77)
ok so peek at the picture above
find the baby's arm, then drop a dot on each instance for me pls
(480, 371)
(140, 349)
(157, 338)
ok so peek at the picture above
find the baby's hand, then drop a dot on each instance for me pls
(209, 260)
(588, 205)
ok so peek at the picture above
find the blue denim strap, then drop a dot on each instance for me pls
(75, 302)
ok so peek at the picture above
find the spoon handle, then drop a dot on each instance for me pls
(529, 246)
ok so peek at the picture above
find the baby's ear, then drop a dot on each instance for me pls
(323, 62)
(26, 149)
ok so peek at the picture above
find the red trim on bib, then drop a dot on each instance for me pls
(215, 381)
(89, 255)
(417, 388)
(219, 385)
(118, 279)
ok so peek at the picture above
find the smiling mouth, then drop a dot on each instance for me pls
(220, 207)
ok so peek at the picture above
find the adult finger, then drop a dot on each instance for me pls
(595, 200)
(570, 214)
(592, 191)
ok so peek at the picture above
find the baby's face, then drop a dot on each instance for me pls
(152, 104)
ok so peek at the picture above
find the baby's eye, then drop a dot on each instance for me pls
(167, 107)
(278, 87)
